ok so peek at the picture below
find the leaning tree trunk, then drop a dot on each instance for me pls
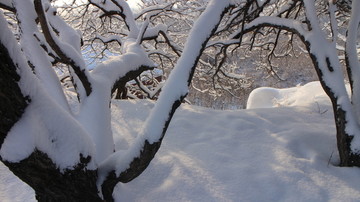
(347, 156)
(37, 170)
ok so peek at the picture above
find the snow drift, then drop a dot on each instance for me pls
(282, 149)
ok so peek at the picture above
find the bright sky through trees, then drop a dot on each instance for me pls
(134, 4)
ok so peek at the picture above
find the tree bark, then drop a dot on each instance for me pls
(12, 101)
(50, 184)
(347, 157)
(38, 170)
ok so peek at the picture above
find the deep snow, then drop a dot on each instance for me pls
(284, 152)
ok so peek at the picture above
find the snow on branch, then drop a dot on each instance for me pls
(35, 54)
(116, 67)
(121, 8)
(125, 167)
(351, 56)
(271, 21)
(60, 137)
(65, 51)
(154, 9)
(6, 4)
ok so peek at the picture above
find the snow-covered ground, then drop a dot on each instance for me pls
(283, 148)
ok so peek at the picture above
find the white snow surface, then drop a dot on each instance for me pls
(266, 97)
(276, 152)
(173, 90)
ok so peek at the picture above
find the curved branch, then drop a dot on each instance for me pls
(174, 92)
(79, 71)
(293, 26)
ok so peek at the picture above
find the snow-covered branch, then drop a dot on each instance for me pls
(66, 52)
(60, 137)
(351, 57)
(271, 21)
(35, 54)
(142, 152)
(6, 4)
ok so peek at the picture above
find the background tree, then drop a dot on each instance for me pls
(316, 25)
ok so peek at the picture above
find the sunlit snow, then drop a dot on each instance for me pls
(281, 150)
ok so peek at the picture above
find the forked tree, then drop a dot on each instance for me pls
(65, 156)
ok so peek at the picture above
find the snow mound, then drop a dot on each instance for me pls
(274, 154)
(269, 154)
(307, 95)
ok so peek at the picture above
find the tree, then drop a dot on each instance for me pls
(103, 31)
(316, 25)
(75, 150)
(324, 55)
(70, 157)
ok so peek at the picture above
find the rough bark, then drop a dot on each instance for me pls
(50, 184)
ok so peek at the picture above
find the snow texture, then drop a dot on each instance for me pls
(61, 137)
(353, 60)
(283, 153)
(175, 87)
(36, 54)
(327, 60)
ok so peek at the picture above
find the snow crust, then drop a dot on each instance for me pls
(327, 60)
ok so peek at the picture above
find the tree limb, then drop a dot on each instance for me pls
(78, 70)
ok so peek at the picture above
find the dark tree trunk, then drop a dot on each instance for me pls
(12, 101)
(347, 157)
(38, 171)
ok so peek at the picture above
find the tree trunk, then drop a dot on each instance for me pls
(50, 184)
(38, 171)
(347, 157)
(12, 101)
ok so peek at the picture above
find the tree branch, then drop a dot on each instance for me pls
(170, 99)
(78, 70)
(7, 7)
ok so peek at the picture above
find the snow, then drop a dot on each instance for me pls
(279, 152)
(352, 57)
(175, 88)
(35, 53)
(266, 97)
(7, 3)
(61, 137)
(125, 9)
(179, 76)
